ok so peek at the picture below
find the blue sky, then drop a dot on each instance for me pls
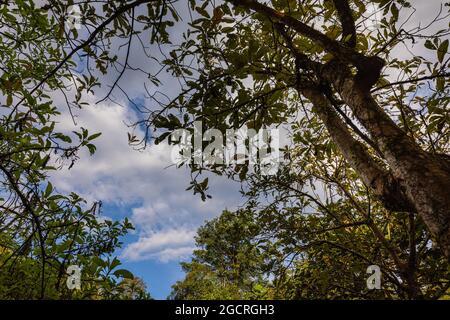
(143, 186)
(158, 275)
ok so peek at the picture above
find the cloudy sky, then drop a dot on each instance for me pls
(142, 185)
(146, 188)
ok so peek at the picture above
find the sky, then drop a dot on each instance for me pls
(143, 185)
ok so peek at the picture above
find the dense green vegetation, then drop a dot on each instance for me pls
(364, 182)
(43, 232)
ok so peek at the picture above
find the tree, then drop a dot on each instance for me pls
(299, 253)
(378, 123)
(327, 242)
(133, 289)
(43, 232)
(227, 264)
(286, 61)
(271, 65)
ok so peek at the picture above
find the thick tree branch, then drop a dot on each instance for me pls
(347, 22)
(350, 123)
(423, 177)
(372, 174)
(302, 61)
(369, 68)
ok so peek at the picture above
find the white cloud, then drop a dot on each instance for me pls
(164, 214)
(170, 254)
(165, 245)
(115, 162)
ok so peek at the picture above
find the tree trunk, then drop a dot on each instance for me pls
(424, 177)
(381, 182)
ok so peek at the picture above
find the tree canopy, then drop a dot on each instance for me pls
(43, 232)
(365, 179)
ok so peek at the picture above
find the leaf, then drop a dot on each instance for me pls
(442, 50)
(49, 189)
(394, 11)
(228, 29)
(123, 273)
(161, 138)
(218, 14)
(91, 148)
(203, 12)
(115, 263)
(99, 262)
(429, 45)
(9, 100)
(440, 84)
(94, 136)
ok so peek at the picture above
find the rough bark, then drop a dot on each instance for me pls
(385, 187)
(347, 22)
(424, 177)
(382, 183)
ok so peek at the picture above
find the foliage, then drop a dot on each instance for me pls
(324, 217)
(227, 264)
(302, 254)
(43, 231)
(328, 224)
(133, 289)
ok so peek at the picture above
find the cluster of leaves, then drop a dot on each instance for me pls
(43, 232)
(300, 247)
(324, 225)
(236, 70)
(227, 264)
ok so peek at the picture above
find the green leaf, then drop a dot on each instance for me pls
(62, 137)
(91, 148)
(99, 262)
(94, 136)
(228, 29)
(442, 50)
(440, 84)
(48, 190)
(430, 45)
(115, 263)
(203, 12)
(394, 11)
(123, 273)
(9, 100)
(162, 137)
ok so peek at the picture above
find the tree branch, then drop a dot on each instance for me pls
(371, 173)
(370, 66)
(85, 43)
(125, 65)
(347, 22)
(442, 75)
